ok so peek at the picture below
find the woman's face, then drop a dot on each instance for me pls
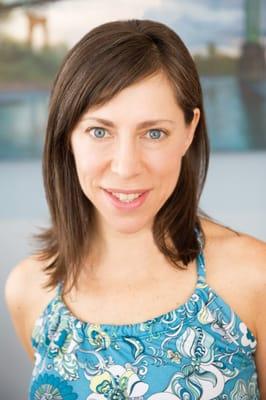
(128, 151)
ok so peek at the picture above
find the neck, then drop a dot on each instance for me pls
(120, 258)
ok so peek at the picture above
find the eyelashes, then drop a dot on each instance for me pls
(163, 133)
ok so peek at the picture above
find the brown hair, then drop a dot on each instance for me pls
(106, 60)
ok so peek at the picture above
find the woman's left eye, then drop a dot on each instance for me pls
(156, 133)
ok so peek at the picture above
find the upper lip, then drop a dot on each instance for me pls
(126, 191)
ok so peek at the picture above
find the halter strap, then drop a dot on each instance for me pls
(201, 265)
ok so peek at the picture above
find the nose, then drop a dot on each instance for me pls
(126, 159)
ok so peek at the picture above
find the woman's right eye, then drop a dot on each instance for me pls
(98, 132)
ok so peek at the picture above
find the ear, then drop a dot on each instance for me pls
(191, 129)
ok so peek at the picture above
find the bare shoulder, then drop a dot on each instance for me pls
(226, 243)
(236, 269)
(243, 283)
(26, 298)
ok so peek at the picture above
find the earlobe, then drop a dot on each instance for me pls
(188, 142)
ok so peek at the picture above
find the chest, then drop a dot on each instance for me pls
(128, 303)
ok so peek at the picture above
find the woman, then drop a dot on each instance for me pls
(135, 293)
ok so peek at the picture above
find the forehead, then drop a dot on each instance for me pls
(150, 98)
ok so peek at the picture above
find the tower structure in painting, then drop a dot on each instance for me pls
(34, 20)
(252, 63)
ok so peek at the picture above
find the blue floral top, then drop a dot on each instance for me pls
(200, 350)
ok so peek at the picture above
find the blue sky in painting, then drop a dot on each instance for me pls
(197, 22)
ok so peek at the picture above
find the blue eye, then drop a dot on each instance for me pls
(156, 135)
(97, 129)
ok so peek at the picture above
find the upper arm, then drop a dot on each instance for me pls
(260, 314)
(17, 301)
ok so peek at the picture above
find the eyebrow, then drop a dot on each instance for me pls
(142, 124)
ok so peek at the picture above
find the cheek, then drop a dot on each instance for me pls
(165, 172)
(167, 164)
(87, 166)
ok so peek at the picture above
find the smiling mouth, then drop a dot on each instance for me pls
(124, 191)
(126, 201)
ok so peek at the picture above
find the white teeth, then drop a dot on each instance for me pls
(126, 197)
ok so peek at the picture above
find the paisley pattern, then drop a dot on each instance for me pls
(200, 350)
